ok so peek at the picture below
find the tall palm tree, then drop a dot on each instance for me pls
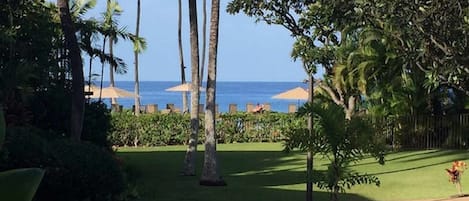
(210, 174)
(136, 52)
(111, 53)
(189, 161)
(88, 29)
(185, 104)
(78, 98)
(112, 32)
(204, 38)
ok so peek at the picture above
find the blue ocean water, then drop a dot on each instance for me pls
(240, 93)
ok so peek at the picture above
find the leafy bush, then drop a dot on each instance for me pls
(149, 130)
(169, 129)
(74, 171)
(96, 124)
(83, 172)
(24, 148)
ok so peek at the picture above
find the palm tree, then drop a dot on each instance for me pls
(111, 30)
(204, 38)
(111, 51)
(185, 104)
(343, 141)
(78, 98)
(210, 174)
(88, 29)
(136, 52)
(189, 161)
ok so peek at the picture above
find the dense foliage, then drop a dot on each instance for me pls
(170, 129)
(74, 171)
(384, 51)
(340, 140)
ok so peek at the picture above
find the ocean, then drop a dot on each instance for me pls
(240, 93)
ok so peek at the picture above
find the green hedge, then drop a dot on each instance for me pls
(169, 129)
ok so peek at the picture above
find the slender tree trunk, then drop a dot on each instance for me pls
(204, 39)
(78, 98)
(185, 103)
(309, 157)
(111, 67)
(89, 77)
(189, 161)
(102, 71)
(111, 55)
(137, 87)
(210, 174)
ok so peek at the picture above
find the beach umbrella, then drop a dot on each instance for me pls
(90, 90)
(186, 87)
(297, 93)
(112, 92)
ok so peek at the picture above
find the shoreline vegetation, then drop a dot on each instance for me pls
(407, 132)
(232, 108)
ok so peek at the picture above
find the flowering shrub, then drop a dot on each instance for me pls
(457, 169)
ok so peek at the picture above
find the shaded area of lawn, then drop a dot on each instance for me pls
(262, 172)
(251, 175)
(412, 175)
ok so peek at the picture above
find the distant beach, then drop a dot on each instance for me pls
(240, 93)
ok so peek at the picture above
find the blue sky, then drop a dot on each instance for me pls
(248, 51)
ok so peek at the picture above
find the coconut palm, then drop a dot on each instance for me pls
(204, 38)
(113, 9)
(139, 46)
(210, 173)
(185, 104)
(113, 32)
(78, 98)
(189, 161)
(89, 31)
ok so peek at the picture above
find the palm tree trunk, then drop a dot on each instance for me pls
(89, 76)
(185, 103)
(102, 71)
(189, 161)
(111, 67)
(137, 87)
(78, 97)
(111, 52)
(204, 39)
(210, 174)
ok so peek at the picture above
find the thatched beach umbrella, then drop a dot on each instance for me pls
(186, 87)
(111, 92)
(297, 93)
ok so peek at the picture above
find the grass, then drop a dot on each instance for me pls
(261, 171)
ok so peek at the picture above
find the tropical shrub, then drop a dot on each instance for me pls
(73, 171)
(82, 171)
(340, 140)
(24, 148)
(169, 129)
(96, 124)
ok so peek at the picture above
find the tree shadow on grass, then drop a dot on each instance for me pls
(251, 176)
(408, 156)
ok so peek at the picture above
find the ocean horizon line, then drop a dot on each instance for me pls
(228, 92)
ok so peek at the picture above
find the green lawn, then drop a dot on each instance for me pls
(261, 171)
